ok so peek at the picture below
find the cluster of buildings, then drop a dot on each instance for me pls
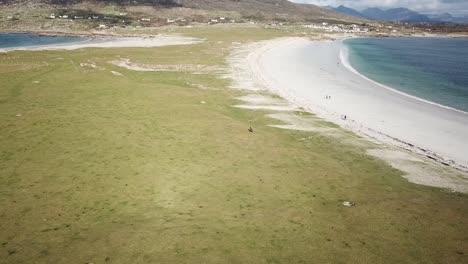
(221, 20)
(53, 16)
(324, 26)
(339, 28)
(176, 20)
(90, 17)
(382, 28)
(216, 20)
(182, 20)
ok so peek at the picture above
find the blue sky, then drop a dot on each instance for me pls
(455, 7)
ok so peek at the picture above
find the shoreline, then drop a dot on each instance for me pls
(263, 63)
(345, 61)
(55, 33)
(110, 42)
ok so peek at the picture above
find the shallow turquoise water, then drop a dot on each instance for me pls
(26, 40)
(434, 69)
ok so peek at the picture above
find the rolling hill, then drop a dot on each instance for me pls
(398, 14)
(395, 14)
(345, 10)
(280, 10)
(267, 8)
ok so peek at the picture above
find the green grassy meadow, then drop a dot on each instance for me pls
(101, 168)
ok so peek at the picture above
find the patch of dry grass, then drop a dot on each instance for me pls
(135, 169)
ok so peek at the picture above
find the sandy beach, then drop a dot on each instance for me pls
(115, 42)
(306, 73)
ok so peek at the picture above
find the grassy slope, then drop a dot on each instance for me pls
(284, 9)
(29, 15)
(134, 169)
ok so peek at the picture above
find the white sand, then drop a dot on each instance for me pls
(115, 42)
(296, 122)
(305, 72)
(422, 171)
(194, 68)
(263, 102)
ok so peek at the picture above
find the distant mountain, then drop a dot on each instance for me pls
(445, 17)
(348, 11)
(373, 13)
(461, 20)
(448, 18)
(399, 14)
(395, 14)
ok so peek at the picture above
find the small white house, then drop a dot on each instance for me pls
(65, 16)
(52, 16)
(102, 26)
(145, 19)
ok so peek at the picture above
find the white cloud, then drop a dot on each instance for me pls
(456, 7)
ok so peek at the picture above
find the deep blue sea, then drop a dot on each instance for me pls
(25, 40)
(434, 69)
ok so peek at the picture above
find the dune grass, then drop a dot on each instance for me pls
(99, 168)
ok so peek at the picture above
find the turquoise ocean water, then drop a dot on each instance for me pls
(434, 69)
(26, 40)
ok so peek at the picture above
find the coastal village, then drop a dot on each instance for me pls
(121, 20)
(353, 28)
(324, 26)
